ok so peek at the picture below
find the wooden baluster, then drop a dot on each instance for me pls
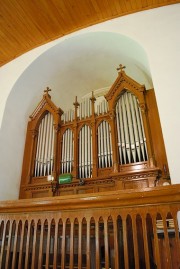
(174, 215)
(41, 246)
(63, 245)
(146, 248)
(3, 242)
(167, 245)
(48, 243)
(71, 245)
(9, 244)
(88, 245)
(106, 243)
(15, 247)
(156, 243)
(21, 244)
(135, 242)
(80, 245)
(126, 256)
(27, 246)
(55, 244)
(97, 243)
(116, 243)
(34, 245)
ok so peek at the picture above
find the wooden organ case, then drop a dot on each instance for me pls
(112, 144)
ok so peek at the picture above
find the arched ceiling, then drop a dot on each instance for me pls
(26, 24)
(77, 66)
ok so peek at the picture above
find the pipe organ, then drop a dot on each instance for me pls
(110, 144)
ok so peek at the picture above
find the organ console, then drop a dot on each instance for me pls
(106, 143)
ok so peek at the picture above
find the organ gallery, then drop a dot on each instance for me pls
(95, 189)
(109, 141)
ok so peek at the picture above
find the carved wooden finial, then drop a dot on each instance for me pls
(76, 104)
(121, 67)
(93, 99)
(47, 90)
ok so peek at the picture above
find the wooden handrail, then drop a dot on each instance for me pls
(121, 198)
(126, 229)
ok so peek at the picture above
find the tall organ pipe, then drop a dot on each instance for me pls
(45, 147)
(67, 151)
(130, 131)
(104, 145)
(85, 152)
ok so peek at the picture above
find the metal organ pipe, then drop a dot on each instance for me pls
(135, 127)
(140, 130)
(85, 152)
(80, 154)
(130, 128)
(67, 151)
(104, 145)
(36, 172)
(45, 147)
(42, 148)
(131, 136)
(62, 155)
(119, 132)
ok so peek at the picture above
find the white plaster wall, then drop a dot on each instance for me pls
(157, 31)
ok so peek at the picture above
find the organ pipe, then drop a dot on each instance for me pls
(45, 147)
(130, 131)
(104, 145)
(85, 152)
(67, 152)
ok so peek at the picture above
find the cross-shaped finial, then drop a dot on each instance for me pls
(121, 67)
(47, 90)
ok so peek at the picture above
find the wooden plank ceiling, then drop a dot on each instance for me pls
(26, 24)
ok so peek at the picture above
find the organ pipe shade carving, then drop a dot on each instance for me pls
(67, 151)
(45, 147)
(104, 145)
(85, 152)
(130, 131)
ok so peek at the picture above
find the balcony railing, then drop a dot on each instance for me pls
(132, 229)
